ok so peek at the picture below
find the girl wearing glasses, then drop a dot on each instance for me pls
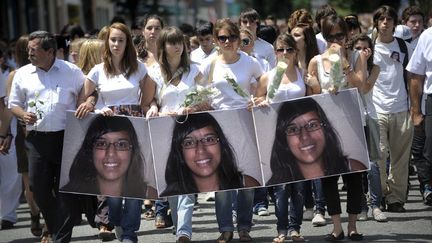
(354, 67)
(201, 158)
(109, 161)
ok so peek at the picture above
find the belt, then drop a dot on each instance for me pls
(34, 132)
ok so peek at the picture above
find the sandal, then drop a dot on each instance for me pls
(279, 239)
(296, 236)
(225, 237)
(160, 222)
(36, 227)
(46, 237)
(149, 214)
(244, 236)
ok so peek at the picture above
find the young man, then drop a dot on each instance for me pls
(420, 67)
(413, 17)
(250, 19)
(390, 98)
(206, 43)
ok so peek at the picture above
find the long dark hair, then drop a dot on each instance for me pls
(178, 176)
(283, 163)
(82, 175)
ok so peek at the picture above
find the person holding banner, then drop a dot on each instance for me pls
(280, 84)
(120, 80)
(175, 78)
(233, 74)
(338, 68)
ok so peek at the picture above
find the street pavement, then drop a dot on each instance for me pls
(415, 225)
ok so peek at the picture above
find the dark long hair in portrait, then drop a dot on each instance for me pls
(178, 176)
(83, 174)
(283, 163)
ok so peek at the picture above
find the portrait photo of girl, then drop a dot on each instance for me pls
(202, 155)
(110, 161)
(307, 144)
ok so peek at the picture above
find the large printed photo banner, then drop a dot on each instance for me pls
(205, 152)
(108, 155)
(311, 137)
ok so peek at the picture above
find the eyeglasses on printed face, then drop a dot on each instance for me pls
(224, 38)
(246, 41)
(312, 125)
(289, 50)
(336, 37)
(190, 143)
(122, 145)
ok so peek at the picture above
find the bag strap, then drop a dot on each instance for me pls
(404, 49)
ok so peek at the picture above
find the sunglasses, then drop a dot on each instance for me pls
(246, 41)
(224, 38)
(336, 37)
(289, 50)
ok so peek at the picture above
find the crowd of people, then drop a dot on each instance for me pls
(153, 69)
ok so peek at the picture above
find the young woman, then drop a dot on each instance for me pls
(151, 26)
(335, 31)
(234, 75)
(120, 80)
(175, 77)
(291, 86)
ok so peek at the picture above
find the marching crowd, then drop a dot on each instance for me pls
(154, 67)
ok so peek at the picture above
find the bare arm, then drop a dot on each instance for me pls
(370, 81)
(148, 91)
(86, 99)
(312, 78)
(416, 92)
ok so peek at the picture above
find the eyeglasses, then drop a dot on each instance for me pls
(336, 37)
(224, 38)
(122, 145)
(246, 41)
(312, 125)
(190, 143)
(287, 50)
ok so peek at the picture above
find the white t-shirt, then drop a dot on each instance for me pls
(263, 49)
(421, 60)
(198, 55)
(290, 90)
(245, 72)
(117, 90)
(389, 92)
(170, 97)
(321, 43)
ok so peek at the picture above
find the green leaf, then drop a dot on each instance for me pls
(31, 104)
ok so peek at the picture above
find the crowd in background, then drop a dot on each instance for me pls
(385, 56)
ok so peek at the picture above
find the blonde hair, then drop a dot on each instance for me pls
(90, 54)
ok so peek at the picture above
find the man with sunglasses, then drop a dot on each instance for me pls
(390, 99)
(250, 19)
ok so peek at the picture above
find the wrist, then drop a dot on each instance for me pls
(91, 102)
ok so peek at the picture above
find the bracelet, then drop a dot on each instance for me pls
(92, 102)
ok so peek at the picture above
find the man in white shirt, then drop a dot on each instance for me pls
(420, 67)
(413, 17)
(390, 99)
(262, 49)
(41, 93)
(206, 43)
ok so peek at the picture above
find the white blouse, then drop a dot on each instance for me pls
(290, 90)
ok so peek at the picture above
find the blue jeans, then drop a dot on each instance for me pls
(260, 199)
(181, 212)
(317, 199)
(128, 216)
(375, 190)
(224, 206)
(294, 191)
(161, 208)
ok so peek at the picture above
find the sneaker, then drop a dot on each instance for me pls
(263, 212)
(183, 239)
(427, 195)
(318, 220)
(362, 216)
(6, 224)
(118, 232)
(210, 197)
(308, 214)
(378, 215)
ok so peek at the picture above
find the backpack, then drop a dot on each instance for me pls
(404, 49)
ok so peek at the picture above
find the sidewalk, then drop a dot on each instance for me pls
(413, 226)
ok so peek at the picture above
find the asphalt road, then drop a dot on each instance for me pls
(415, 225)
